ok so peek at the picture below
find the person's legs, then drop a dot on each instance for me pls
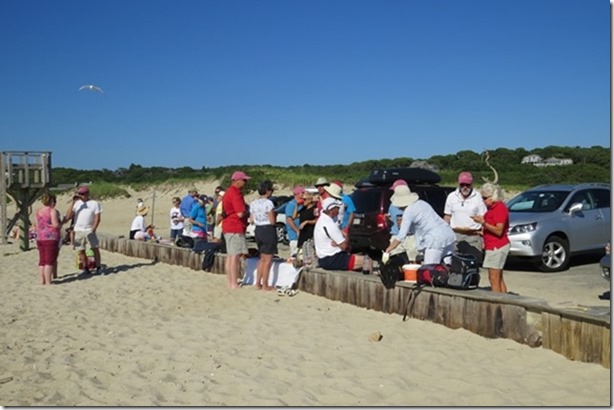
(494, 260)
(293, 248)
(233, 270)
(47, 274)
(234, 250)
(266, 260)
(495, 277)
(432, 255)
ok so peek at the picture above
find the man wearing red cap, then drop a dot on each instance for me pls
(234, 212)
(461, 205)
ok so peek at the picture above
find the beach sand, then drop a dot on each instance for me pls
(151, 334)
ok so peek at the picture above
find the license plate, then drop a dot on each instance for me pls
(356, 221)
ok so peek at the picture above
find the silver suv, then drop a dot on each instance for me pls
(550, 223)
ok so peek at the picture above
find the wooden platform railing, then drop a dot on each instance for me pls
(575, 334)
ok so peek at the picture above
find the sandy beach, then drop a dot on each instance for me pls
(150, 334)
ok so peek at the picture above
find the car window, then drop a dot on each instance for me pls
(601, 198)
(537, 201)
(583, 198)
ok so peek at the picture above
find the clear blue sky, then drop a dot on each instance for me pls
(287, 82)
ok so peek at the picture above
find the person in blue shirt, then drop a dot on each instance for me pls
(198, 218)
(292, 224)
(187, 202)
(348, 210)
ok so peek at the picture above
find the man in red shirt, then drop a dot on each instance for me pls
(235, 214)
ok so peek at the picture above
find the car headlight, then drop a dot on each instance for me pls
(523, 228)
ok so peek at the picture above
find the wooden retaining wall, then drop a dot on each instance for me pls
(577, 335)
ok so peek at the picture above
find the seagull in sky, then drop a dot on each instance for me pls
(91, 87)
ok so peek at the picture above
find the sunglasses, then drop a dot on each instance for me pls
(485, 197)
(464, 185)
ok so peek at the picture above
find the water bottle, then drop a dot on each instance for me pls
(366, 265)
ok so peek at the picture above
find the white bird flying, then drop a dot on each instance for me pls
(91, 87)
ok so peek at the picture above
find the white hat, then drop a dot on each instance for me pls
(333, 190)
(403, 196)
(321, 182)
(330, 203)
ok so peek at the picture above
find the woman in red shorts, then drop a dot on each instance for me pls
(48, 226)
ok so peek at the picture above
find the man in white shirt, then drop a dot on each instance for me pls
(86, 212)
(330, 242)
(460, 206)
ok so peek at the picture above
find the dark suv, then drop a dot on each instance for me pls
(370, 229)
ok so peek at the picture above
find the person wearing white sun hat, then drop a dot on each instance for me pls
(433, 235)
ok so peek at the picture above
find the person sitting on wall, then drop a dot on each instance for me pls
(330, 242)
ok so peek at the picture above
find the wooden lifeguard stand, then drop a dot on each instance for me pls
(26, 176)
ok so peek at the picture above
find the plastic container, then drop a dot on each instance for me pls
(410, 271)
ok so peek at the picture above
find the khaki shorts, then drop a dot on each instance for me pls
(496, 258)
(83, 238)
(236, 244)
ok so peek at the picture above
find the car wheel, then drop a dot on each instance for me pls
(281, 233)
(555, 255)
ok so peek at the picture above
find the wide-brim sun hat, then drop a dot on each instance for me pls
(321, 182)
(333, 190)
(403, 197)
(142, 211)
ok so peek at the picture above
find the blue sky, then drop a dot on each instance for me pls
(287, 82)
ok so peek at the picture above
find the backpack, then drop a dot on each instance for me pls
(433, 274)
(392, 271)
(464, 272)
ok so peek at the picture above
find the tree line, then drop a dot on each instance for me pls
(589, 165)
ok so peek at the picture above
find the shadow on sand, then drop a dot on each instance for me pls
(105, 269)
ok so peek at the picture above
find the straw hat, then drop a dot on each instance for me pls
(142, 211)
(403, 196)
(333, 190)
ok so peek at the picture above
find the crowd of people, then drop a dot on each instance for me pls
(474, 222)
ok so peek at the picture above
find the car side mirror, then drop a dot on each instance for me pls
(575, 208)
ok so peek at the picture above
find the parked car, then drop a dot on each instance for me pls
(280, 224)
(370, 230)
(551, 223)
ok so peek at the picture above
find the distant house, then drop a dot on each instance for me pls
(549, 162)
(531, 159)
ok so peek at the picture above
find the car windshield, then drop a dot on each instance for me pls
(537, 201)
